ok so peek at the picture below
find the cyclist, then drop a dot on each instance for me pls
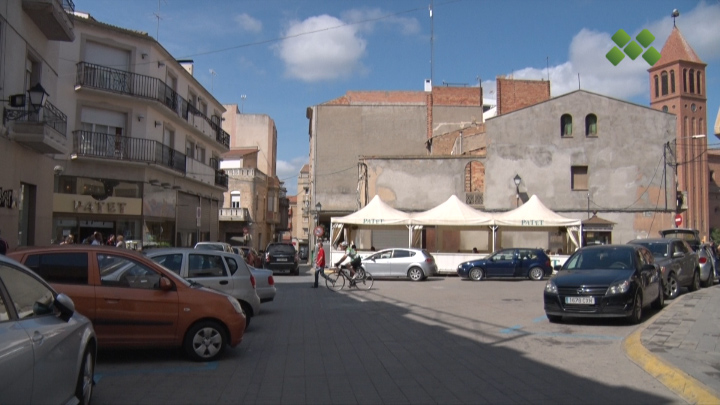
(355, 260)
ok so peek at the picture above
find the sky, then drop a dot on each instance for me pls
(279, 57)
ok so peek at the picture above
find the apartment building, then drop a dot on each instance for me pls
(34, 126)
(144, 142)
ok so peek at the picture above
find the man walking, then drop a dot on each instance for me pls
(319, 264)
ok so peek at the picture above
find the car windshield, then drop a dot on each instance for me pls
(282, 249)
(600, 259)
(657, 249)
(209, 246)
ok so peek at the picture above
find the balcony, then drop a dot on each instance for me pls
(151, 88)
(221, 178)
(43, 131)
(123, 148)
(53, 17)
(474, 199)
(234, 214)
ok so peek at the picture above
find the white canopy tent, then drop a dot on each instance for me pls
(534, 214)
(376, 214)
(452, 212)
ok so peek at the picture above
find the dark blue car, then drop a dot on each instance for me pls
(518, 262)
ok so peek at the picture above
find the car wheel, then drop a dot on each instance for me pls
(416, 274)
(536, 273)
(636, 314)
(695, 285)
(672, 290)
(205, 341)
(84, 388)
(659, 302)
(554, 318)
(247, 309)
(476, 274)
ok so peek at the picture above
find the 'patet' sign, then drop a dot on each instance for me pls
(100, 207)
(531, 222)
(372, 221)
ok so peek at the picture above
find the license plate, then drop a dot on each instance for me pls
(281, 259)
(580, 300)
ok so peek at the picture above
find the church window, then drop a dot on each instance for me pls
(672, 81)
(691, 79)
(591, 125)
(566, 125)
(664, 80)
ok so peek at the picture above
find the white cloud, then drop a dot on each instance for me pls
(629, 78)
(324, 47)
(248, 23)
(288, 171)
(332, 51)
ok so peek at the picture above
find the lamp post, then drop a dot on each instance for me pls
(36, 96)
(517, 181)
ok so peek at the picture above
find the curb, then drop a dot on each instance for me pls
(678, 381)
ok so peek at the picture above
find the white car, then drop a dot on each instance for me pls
(264, 284)
(47, 350)
(220, 246)
(222, 271)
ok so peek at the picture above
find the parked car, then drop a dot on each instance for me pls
(252, 257)
(47, 349)
(678, 263)
(264, 284)
(706, 256)
(605, 281)
(516, 262)
(281, 258)
(415, 264)
(221, 246)
(222, 271)
(134, 302)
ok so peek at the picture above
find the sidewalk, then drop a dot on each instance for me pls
(680, 346)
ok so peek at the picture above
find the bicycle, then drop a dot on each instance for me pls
(336, 279)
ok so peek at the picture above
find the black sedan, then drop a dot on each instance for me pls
(678, 262)
(605, 281)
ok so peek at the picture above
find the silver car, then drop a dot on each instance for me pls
(264, 284)
(704, 251)
(415, 264)
(221, 246)
(47, 350)
(223, 271)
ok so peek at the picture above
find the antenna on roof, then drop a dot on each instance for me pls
(157, 15)
(547, 67)
(578, 81)
(432, 43)
(675, 14)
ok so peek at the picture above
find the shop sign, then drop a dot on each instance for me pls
(531, 222)
(100, 207)
(6, 198)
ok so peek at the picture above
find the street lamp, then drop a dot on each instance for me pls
(517, 181)
(36, 94)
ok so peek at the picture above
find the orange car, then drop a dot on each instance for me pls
(132, 301)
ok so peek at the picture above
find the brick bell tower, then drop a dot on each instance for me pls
(677, 86)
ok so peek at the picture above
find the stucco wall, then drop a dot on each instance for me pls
(416, 184)
(625, 160)
(343, 133)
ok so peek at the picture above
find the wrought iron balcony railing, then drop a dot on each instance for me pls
(48, 115)
(148, 87)
(221, 178)
(105, 146)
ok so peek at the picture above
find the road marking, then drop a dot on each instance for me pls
(167, 370)
(518, 329)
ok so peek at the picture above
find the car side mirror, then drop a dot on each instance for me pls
(165, 284)
(678, 255)
(65, 305)
(557, 267)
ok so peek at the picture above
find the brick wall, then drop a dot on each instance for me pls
(516, 94)
(466, 96)
(443, 144)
